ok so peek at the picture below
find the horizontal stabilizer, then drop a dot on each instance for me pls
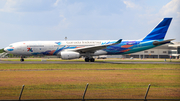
(162, 42)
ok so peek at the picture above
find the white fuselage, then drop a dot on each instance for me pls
(38, 47)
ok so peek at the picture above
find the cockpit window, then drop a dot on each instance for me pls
(10, 45)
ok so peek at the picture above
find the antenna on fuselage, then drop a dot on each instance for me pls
(65, 38)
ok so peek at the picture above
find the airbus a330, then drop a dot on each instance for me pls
(89, 48)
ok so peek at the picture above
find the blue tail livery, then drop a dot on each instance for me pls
(159, 32)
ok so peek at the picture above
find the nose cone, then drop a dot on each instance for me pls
(5, 49)
(8, 49)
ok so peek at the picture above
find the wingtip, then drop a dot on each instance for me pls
(119, 41)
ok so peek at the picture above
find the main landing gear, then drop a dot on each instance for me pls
(89, 59)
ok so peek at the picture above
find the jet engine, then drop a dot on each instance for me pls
(69, 55)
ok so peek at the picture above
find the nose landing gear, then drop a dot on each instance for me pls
(22, 59)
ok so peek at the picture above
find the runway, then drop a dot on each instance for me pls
(82, 62)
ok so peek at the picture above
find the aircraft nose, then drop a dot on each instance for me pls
(5, 49)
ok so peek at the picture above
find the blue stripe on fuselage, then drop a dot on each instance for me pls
(127, 47)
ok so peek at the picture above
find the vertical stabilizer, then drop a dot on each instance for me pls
(159, 31)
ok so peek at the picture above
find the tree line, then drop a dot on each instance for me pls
(1, 50)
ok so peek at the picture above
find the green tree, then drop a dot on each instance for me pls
(10, 55)
(2, 50)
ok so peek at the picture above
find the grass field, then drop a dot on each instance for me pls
(68, 81)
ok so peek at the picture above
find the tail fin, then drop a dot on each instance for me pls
(159, 31)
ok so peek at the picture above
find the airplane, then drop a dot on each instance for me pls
(89, 48)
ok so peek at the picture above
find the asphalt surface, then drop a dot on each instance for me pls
(81, 62)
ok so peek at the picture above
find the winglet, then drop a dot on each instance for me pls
(117, 42)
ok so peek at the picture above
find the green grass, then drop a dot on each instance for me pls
(88, 66)
(63, 81)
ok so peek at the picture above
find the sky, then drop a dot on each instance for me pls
(41, 20)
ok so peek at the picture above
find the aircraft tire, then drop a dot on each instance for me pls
(86, 59)
(21, 60)
(92, 59)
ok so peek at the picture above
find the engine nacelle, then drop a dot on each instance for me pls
(69, 55)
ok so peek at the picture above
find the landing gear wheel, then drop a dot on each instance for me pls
(22, 60)
(86, 59)
(92, 59)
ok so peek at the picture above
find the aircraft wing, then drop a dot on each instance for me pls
(94, 48)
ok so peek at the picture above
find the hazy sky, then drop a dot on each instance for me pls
(30, 20)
